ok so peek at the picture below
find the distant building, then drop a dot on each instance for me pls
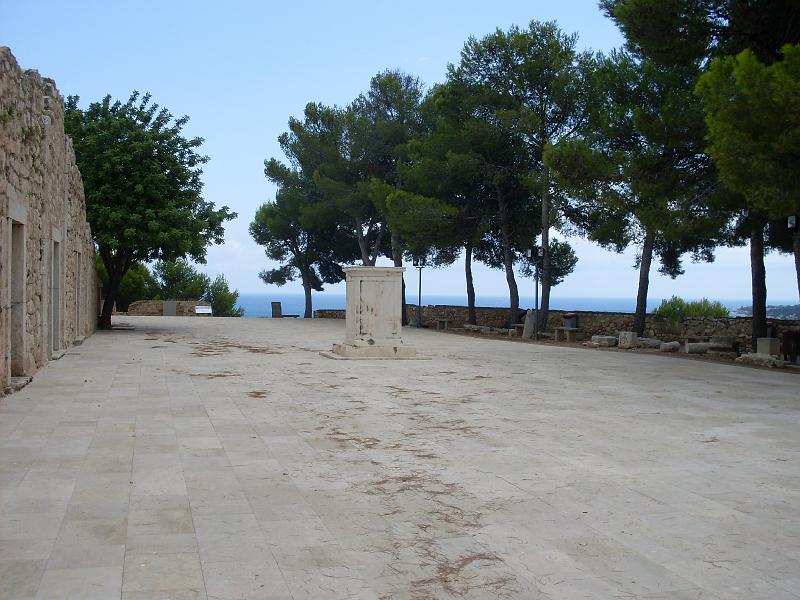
(48, 283)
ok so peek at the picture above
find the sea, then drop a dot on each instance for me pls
(258, 305)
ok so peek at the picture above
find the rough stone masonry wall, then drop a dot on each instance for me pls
(595, 323)
(43, 216)
(155, 308)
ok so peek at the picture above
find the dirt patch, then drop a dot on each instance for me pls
(219, 347)
(462, 575)
(351, 438)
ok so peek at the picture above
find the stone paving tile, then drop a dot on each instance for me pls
(96, 583)
(162, 572)
(214, 459)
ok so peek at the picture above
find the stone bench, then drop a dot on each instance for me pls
(568, 334)
(443, 323)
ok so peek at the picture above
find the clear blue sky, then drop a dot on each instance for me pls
(240, 69)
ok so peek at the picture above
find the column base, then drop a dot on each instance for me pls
(347, 351)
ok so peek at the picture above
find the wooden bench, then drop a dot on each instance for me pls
(518, 328)
(568, 334)
(443, 323)
(203, 310)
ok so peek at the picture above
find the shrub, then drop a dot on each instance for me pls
(677, 309)
(222, 299)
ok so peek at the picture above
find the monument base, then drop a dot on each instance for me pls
(348, 351)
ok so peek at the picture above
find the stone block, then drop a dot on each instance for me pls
(723, 342)
(527, 331)
(696, 347)
(628, 340)
(670, 346)
(647, 342)
(605, 340)
(768, 346)
(761, 360)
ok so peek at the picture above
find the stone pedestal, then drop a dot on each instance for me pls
(769, 346)
(628, 340)
(374, 314)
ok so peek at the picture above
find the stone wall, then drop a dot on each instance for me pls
(49, 291)
(155, 308)
(594, 323)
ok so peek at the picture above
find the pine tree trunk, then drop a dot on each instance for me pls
(471, 317)
(309, 312)
(759, 282)
(508, 260)
(544, 306)
(796, 246)
(644, 283)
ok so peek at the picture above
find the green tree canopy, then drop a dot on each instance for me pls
(637, 169)
(537, 88)
(178, 280)
(753, 118)
(693, 32)
(142, 183)
(222, 299)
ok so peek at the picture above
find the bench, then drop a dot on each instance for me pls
(277, 312)
(443, 323)
(203, 310)
(518, 328)
(569, 334)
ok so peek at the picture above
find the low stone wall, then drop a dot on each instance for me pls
(155, 308)
(594, 323)
(329, 313)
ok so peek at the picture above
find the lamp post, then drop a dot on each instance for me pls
(419, 263)
(536, 254)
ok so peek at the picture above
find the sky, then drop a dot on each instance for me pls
(241, 69)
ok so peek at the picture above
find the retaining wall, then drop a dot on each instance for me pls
(594, 323)
(155, 308)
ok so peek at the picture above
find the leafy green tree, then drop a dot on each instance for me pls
(137, 284)
(178, 280)
(447, 201)
(390, 111)
(143, 189)
(638, 172)
(753, 118)
(305, 247)
(222, 299)
(684, 32)
(562, 262)
(539, 89)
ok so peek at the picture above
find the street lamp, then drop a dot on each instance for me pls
(536, 254)
(419, 263)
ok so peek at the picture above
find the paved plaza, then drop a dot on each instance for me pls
(199, 458)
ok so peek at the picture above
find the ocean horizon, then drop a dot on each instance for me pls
(258, 304)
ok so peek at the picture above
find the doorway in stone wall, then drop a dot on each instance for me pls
(17, 299)
(55, 298)
(78, 302)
